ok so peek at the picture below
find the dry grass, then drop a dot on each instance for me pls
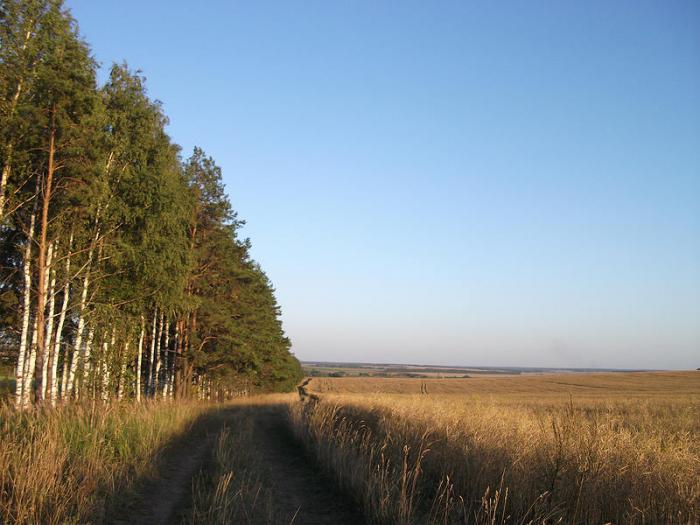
(65, 465)
(234, 486)
(568, 448)
(596, 448)
(603, 385)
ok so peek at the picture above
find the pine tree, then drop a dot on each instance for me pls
(121, 266)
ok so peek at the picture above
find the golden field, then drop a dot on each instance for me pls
(557, 448)
(528, 449)
(604, 385)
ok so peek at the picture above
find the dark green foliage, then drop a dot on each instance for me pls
(155, 237)
(237, 336)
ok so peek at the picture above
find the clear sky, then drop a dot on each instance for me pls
(511, 183)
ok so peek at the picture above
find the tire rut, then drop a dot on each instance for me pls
(300, 490)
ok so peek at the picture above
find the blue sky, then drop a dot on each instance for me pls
(447, 182)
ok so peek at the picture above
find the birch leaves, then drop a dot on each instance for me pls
(122, 272)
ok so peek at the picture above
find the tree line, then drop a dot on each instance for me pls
(123, 272)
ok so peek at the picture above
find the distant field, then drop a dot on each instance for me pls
(393, 370)
(602, 385)
(546, 448)
(330, 369)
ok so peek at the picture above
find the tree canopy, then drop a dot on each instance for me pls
(123, 272)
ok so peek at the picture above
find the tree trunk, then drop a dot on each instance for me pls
(41, 264)
(173, 359)
(185, 375)
(77, 348)
(49, 321)
(187, 380)
(166, 359)
(105, 367)
(26, 310)
(153, 353)
(29, 367)
(5, 177)
(87, 364)
(139, 359)
(122, 372)
(184, 347)
(53, 382)
(159, 360)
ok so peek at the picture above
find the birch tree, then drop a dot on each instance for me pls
(64, 96)
(121, 265)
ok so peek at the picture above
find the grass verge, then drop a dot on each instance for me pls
(67, 465)
(451, 459)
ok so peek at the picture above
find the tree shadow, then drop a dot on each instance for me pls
(161, 495)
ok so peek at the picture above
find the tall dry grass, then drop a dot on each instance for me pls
(67, 465)
(510, 458)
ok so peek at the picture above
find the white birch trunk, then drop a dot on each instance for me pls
(106, 369)
(139, 358)
(59, 333)
(5, 178)
(78, 339)
(122, 372)
(87, 363)
(153, 353)
(26, 310)
(81, 319)
(51, 272)
(29, 367)
(159, 349)
(165, 358)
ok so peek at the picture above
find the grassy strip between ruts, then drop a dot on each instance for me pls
(233, 485)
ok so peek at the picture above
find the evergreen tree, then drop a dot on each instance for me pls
(122, 270)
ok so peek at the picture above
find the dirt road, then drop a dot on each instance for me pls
(300, 489)
(300, 492)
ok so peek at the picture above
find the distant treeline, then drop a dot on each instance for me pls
(341, 373)
(122, 270)
(315, 372)
(322, 369)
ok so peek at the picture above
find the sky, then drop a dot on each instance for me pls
(462, 183)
